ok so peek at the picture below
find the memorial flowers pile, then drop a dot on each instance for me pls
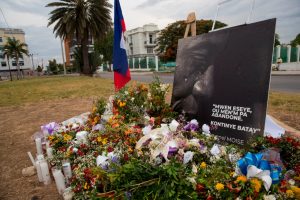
(135, 147)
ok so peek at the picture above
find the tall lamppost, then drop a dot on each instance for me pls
(31, 55)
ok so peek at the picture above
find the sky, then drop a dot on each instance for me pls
(32, 16)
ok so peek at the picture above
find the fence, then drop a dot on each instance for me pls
(287, 53)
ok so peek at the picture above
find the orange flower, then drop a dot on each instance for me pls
(115, 125)
(241, 179)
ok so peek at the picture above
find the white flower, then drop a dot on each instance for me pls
(194, 121)
(132, 99)
(269, 197)
(215, 150)
(191, 180)
(146, 129)
(292, 182)
(149, 95)
(187, 157)
(126, 92)
(194, 169)
(173, 125)
(205, 129)
(164, 87)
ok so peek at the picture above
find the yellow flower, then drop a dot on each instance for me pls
(122, 104)
(51, 137)
(86, 186)
(256, 184)
(232, 174)
(219, 186)
(102, 140)
(290, 193)
(241, 179)
(296, 191)
(67, 137)
(203, 165)
(94, 109)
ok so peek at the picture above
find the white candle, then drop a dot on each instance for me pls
(47, 144)
(82, 136)
(38, 143)
(68, 194)
(59, 180)
(45, 172)
(50, 152)
(39, 171)
(67, 169)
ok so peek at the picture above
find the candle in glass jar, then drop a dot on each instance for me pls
(38, 170)
(50, 152)
(38, 143)
(67, 169)
(45, 172)
(59, 180)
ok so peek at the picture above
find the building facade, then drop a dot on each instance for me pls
(18, 34)
(70, 47)
(141, 41)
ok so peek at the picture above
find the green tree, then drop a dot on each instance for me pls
(15, 49)
(53, 66)
(169, 36)
(104, 46)
(296, 41)
(277, 42)
(82, 19)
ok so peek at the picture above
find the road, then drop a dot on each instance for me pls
(281, 83)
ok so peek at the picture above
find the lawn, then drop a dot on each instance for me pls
(283, 106)
(53, 88)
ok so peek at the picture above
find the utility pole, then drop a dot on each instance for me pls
(63, 57)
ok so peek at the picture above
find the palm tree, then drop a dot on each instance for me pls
(82, 19)
(15, 49)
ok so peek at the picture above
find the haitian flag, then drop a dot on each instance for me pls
(120, 63)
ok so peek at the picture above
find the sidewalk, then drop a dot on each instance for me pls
(285, 73)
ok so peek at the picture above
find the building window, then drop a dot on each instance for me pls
(1, 40)
(149, 50)
(3, 64)
(131, 50)
(14, 63)
(150, 39)
(21, 63)
(1, 56)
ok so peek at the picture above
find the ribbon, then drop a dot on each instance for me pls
(257, 160)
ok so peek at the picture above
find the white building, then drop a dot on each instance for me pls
(18, 34)
(141, 41)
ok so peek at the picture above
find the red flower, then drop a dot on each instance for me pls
(110, 149)
(126, 158)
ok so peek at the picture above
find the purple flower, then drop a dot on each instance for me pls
(128, 195)
(98, 127)
(191, 126)
(49, 128)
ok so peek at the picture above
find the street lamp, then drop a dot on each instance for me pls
(31, 55)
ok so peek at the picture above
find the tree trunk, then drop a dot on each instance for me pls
(85, 53)
(9, 68)
(18, 67)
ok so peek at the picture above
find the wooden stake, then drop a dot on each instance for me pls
(191, 23)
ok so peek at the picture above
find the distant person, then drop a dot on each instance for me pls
(279, 61)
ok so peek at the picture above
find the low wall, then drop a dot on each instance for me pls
(290, 66)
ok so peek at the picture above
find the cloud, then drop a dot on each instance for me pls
(32, 16)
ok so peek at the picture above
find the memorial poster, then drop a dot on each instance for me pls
(222, 79)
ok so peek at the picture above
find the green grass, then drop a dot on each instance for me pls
(52, 88)
(283, 106)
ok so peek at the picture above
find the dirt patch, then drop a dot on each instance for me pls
(18, 124)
